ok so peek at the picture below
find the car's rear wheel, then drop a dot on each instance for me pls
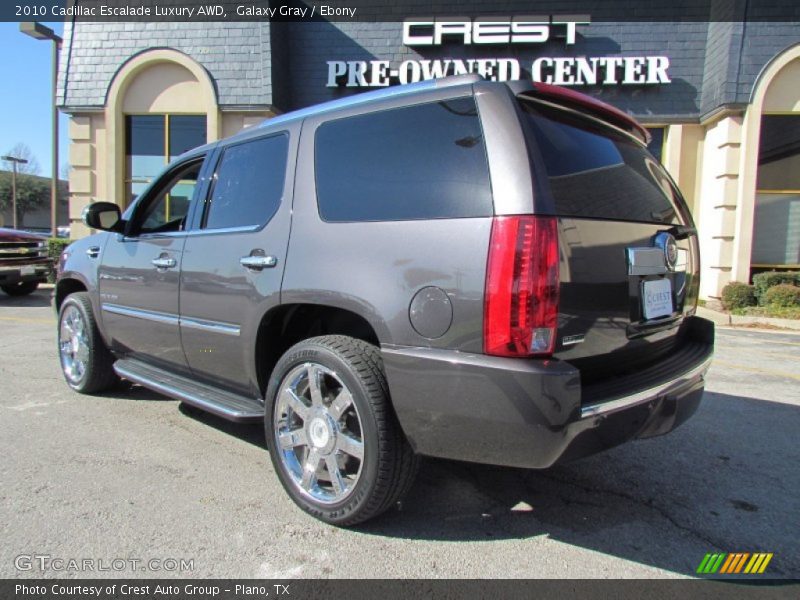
(86, 362)
(23, 288)
(332, 434)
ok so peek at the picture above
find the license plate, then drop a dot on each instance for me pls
(657, 298)
(29, 270)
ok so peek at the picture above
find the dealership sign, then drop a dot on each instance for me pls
(569, 70)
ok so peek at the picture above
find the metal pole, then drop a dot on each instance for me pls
(54, 182)
(14, 194)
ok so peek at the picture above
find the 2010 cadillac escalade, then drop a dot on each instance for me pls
(490, 272)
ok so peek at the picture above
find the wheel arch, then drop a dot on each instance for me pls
(66, 286)
(289, 324)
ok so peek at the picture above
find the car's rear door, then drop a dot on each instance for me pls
(234, 258)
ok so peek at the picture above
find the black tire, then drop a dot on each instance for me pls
(389, 464)
(98, 374)
(23, 288)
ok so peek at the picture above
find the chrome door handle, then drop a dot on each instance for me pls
(257, 263)
(164, 263)
(93, 251)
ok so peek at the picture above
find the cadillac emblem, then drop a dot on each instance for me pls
(666, 241)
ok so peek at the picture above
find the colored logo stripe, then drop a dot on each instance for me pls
(711, 563)
(734, 562)
(758, 563)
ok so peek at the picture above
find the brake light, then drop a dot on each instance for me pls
(522, 282)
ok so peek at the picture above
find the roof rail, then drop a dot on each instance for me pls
(390, 92)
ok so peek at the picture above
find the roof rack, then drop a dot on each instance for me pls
(390, 92)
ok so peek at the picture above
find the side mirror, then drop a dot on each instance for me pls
(105, 216)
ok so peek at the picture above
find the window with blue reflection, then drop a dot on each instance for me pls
(151, 141)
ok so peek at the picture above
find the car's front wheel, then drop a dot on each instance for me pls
(86, 362)
(332, 434)
(23, 288)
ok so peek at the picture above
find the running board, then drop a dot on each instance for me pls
(227, 405)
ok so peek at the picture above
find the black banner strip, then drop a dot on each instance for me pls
(392, 11)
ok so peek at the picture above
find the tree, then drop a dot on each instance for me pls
(21, 150)
(32, 193)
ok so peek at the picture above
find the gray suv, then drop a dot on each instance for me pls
(489, 272)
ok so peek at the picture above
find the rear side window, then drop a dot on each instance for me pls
(248, 184)
(419, 162)
(593, 171)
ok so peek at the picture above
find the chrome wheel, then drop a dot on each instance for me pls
(73, 341)
(318, 433)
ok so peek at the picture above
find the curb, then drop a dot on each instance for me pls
(728, 320)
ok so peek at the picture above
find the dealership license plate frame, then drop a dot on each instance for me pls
(659, 309)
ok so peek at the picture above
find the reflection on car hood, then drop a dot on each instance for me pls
(14, 235)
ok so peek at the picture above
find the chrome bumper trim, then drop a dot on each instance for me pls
(38, 268)
(601, 408)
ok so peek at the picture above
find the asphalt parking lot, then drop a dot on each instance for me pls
(134, 475)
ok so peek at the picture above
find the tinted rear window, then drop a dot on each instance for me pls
(593, 171)
(419, 162)
(248, 183)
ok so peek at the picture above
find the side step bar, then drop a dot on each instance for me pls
(232, 407)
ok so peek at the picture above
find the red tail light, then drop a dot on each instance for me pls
(521, 311)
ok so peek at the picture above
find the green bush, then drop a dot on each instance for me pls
(783, 295)
(737, 295)
(763, 281)
(55, 246)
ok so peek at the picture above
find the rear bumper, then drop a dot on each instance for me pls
(12, 275)
(534, 413)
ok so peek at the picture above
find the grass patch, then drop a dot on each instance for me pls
(775, 312)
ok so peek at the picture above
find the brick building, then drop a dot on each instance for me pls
(722, 100)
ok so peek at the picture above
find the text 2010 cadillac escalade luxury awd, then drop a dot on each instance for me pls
(491, 272)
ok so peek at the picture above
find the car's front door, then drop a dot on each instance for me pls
(234, 258)
(140, 271)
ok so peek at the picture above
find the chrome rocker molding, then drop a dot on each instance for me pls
(141, 314)
(601, 408)
(214, 326)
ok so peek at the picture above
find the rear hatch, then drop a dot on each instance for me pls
(628, 264)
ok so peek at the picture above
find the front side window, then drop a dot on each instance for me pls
(152, 141)
(167, 210)
(248, 184)
(419, 162)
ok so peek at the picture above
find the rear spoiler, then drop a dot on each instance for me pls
(590, 106)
